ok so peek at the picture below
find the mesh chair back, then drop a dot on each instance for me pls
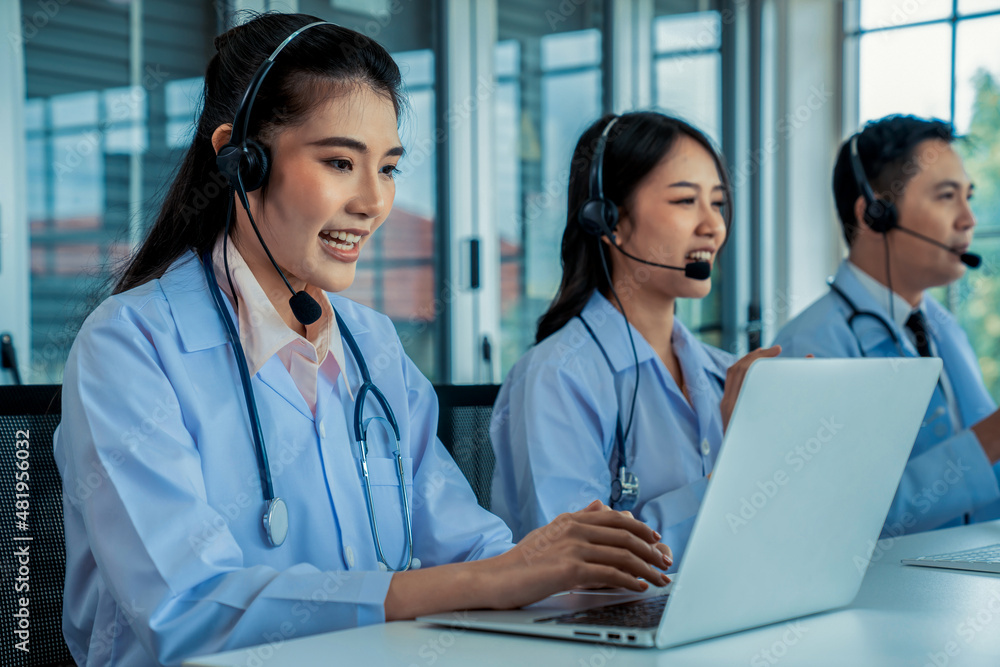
(464, 428)
(32, 541)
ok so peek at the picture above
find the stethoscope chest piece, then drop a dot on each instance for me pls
(276, 522)
(624, 490)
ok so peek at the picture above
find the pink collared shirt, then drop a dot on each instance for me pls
(263, 333)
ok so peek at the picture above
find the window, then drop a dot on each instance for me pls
(399, 273)
(549, 89)
(101, 148)
(102, 131)
(688, 66)
(687, 83)
(940, 59)
(113, 91)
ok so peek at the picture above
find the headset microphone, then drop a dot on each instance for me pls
(599, 215)
(694, 270)
(304, 307)
(698, 270)
(882, 216)
(970, 259)
(246, 164)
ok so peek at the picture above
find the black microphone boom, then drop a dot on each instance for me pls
(970, 259)
(694, 270)
(304, 307)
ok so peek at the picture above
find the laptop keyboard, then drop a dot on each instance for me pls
(643, 613)
(989, 554)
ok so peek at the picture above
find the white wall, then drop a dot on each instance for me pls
(804, 129)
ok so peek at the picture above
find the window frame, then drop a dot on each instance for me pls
(852, 83)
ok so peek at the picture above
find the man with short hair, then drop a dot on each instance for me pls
(910, 232)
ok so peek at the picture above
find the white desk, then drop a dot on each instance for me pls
(902, 616)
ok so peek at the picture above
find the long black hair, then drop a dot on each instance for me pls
(636, 144)
(313, 67)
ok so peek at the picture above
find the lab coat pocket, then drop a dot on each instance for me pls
(383, 474)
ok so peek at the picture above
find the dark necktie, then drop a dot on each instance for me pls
(915, 323)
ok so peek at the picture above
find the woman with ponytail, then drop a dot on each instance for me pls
(617, 399)
(217, 492)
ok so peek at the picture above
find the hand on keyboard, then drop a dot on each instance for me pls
(594, 547)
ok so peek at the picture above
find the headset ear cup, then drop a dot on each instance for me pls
(880, 216)
(610, 214)
(891, 216)
(591, 217)
(254, 166)
(228, 161)
(598, 217)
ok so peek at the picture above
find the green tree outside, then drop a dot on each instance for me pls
(976, 297)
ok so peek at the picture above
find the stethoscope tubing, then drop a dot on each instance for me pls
(263, 467)
(360, 428)
(856, 313)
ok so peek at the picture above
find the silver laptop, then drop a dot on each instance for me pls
(802, 485)
(980, 559)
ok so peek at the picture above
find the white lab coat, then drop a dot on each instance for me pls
(166, 556)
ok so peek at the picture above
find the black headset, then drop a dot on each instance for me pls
(246, 164)
(599, 215)
(244, 161)
(880, 214)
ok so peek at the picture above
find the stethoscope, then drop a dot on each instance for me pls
(275, 518)
(856, 313)
(625, 485)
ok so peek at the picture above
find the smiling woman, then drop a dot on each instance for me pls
(331, 186)
(364, 516)
(645, 189)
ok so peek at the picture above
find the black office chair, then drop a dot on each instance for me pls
(30, 413)
(464, 428)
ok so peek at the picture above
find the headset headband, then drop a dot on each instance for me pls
(859, 172)
(597, 162)
(241, 121)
